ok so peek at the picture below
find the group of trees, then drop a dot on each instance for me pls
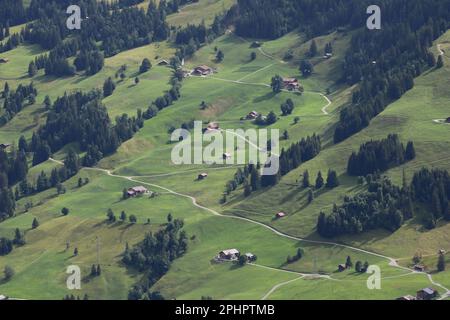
(380, 155)
(191, 37)
(384, 63)
(298, 153)
(81, 117)
(387, 206)
(14, 100)
(251, 179)
(13, 168)
(287, 107)
(111, 217)
(155, 254)
(384, 205)
(432, 189)
(296, 257)
(385, 68)
(331, 182)
(113, 24)
(169, 97)
(44, 182)
(7, 245)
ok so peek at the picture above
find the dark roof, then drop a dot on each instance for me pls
(428, 290)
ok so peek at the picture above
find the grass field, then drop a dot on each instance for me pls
(239, 86)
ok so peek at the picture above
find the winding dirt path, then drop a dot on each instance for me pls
(392, 261)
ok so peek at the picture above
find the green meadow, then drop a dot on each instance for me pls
(247, 224)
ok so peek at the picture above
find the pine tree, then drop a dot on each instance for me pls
(247, 189)
(32, 70)
(108, 87)
(93, 271)
(220, 56)
(306, 68)
(271, 118)
(310, 196)
(313, 49)
(332, 179)
(348, 262)
(123, 216)
(436, 205)
(440, 62)
(410, 152)
(255, 180)
(145, 66)
(35, 223)
(47, 103)
(305, 181)
(441, 263)
(18, 237)
(276, 84)
(319, 180)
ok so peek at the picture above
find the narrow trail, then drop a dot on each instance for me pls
(276, 287)
(392, 261)
(271, 57)
(324, 109)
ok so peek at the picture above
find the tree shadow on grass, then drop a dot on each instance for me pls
(265, 97)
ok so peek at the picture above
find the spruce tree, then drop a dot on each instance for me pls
(313, 48)
(35, 223)
(319, 180)
(305, 181)
(441, 263)
(440, 62)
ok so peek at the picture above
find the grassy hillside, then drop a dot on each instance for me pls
(239, 86)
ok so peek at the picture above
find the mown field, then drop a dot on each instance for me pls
(239, 86)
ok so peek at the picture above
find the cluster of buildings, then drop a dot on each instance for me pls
(423, 294)
(233, 255)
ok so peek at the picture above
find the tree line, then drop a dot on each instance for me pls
(431, 188)
(383, 205)
(289, 159)
(383, 62)
(16, 100)
(154, 256)
(82, 118)
(387, 206)
(380, 155)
